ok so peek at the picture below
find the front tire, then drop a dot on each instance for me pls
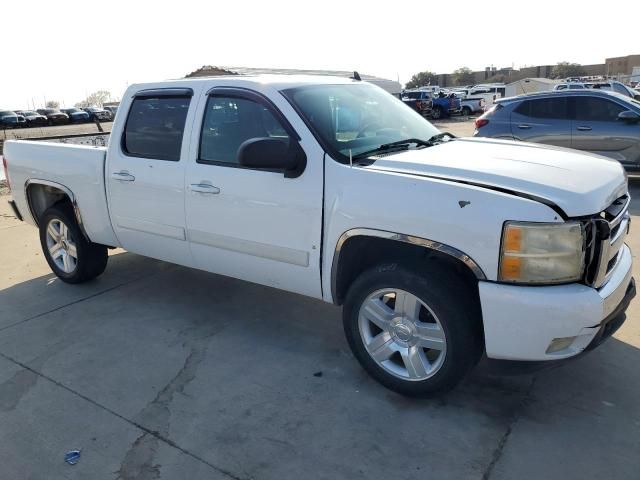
(417, 334)
(70, 255)
(436, 113)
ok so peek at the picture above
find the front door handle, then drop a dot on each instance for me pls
(123, 176)
(204, 188)
(584, 128)
(524, 126)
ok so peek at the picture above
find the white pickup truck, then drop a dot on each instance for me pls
(440, 249)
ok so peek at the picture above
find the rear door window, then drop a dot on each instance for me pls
(594, 109)
(155, 127)
(544, 108)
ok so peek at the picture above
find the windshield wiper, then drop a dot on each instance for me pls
(404, 144)
(440, 137)
(399, 145)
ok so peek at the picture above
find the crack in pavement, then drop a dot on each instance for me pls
(138, 462)
(146, 431)
(497, 453)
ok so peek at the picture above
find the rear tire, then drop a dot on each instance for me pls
(436, 113)
(70, 255)
(466, 111)
(417, 334)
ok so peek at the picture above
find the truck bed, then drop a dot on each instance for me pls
(79, 168)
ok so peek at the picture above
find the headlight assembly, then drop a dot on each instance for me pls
(541, 253)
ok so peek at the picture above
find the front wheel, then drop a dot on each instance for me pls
(70, 255)
(415, 333)
(436, 113)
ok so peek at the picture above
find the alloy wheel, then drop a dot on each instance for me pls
(61, 246)
(402, 334)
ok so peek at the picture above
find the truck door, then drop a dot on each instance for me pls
(596, 128)
(248, 223)
(145, 176)
(543, 120)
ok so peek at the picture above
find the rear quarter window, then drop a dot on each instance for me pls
(155, 127)
(548, 108)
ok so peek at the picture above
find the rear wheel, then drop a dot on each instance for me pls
(70, 255)
(436, 113)
(466, 111)
(415, 333)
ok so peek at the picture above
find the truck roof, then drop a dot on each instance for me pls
(278, 82)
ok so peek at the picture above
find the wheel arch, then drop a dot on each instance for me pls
(42, 194)
(358, 249)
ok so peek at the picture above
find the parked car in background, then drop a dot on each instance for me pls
(76, 115)
(9, 119)
(98, 113)
(605, 123)
(113, 110)
(33, 118)
(570, 86)
(614, 86)
(418, 100)
(431, 104)
(54, 116)
(489, 93)
(470, 106)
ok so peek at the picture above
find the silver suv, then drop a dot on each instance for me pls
(605, 123)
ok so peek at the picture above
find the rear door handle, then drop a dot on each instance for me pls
(524, 127)
(123, 176)
(583, 128)
(204, 188)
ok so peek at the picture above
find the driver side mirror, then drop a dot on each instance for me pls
(629, 116)
(273, 154)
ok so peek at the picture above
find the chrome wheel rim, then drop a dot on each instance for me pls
(402, 334)
(61, 245)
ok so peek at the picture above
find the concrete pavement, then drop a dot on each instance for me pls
(160, 372)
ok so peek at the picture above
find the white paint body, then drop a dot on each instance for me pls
(283, 232)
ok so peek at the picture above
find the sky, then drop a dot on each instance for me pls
(66, 49)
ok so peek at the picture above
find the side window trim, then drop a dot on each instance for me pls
(244, 94)
(150, 94)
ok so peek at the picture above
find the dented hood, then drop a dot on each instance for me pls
(579, 183)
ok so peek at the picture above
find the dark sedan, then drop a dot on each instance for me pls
(601, 122)
(98, 113)
(9, 119)
(54, 116)
(33, 118)
(76, 115)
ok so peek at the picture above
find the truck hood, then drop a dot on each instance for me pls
(578, 183)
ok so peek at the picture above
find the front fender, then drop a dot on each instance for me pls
(462, 217)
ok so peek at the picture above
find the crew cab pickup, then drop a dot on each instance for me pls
(441, 250)
(472, 105)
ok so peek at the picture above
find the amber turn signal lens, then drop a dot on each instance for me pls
(513, 239)
(511, 268)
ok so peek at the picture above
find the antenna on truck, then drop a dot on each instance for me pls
(356, 76)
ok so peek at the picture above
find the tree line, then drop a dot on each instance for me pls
(96, 99)
(465, 76)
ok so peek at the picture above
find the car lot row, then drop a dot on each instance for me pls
(597, 121)
(54, 116)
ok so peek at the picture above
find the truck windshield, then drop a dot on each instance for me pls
(357, 118)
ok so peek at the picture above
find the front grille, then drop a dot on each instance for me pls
(606, 235)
